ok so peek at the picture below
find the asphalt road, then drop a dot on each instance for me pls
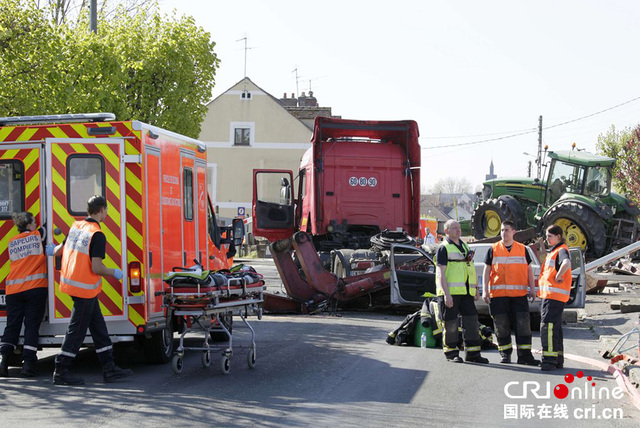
(321, 370)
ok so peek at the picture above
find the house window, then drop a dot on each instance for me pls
(242, 137)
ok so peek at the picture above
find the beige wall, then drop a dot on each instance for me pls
(278, 141)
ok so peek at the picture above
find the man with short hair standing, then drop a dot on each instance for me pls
(507, 281)
(456, 281)
(81, 278)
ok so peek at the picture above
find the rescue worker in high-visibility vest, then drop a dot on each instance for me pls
(26, 293)
(507, 281)
(81, 277)
(554, 288)
(456, 287)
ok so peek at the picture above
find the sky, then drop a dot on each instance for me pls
(466, 71)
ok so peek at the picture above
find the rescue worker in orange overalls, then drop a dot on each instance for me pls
(26, 293)
(507, 281)
(81, 277)
(554, 288)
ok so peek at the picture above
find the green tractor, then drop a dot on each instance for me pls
(576, 196)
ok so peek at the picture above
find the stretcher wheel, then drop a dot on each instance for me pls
(176, 364)
(225, 364)
(251, 358)
(205, 359)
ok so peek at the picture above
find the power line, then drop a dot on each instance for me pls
(592, 114)
(477, 135)
(481, 141)
(525, 132)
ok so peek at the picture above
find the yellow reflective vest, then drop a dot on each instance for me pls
(458, 271)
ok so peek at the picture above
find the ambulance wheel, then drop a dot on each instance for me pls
(225, 364)
(159, 347)
(176, 364)
(205, 359)
(251, 358)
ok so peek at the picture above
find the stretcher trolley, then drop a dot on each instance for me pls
(205, 301)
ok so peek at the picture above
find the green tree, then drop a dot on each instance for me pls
(628, 166)
(168, 68)
(614, 144)
(143, 66)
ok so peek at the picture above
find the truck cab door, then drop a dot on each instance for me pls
(578, 295)
(413, 273)
(273, 204)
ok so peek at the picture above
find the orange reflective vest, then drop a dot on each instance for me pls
(28, 267)
(76, 275)
(509, 275)
(549, 288)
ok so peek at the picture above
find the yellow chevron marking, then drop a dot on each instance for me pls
(109, 155)
(59, 154)
(27, 134)
(112, 294)
(134, 208)
(81, 130)
(135, 236)
(130, 149)
(56, 132)
(113, 212)
(4, 270)
(112, 184)
(31, 158)
(133, 181)
(10, 154)
(32, 185)
(79, 148)
(135, 318)
(59, 181)
(64, 298)
(104, 310)
(5, 131)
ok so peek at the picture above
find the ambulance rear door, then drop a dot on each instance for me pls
(81, 168)
(21, 189)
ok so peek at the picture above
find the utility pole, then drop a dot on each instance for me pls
(539, 159)
(93, 16)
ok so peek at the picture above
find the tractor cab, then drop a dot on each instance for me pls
(578, 173)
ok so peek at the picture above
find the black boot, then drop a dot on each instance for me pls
(113, 373)
(29, 368)
(62, 376)
(4, 365)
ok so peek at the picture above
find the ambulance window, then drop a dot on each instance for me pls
(188, 193)
(85, 178)
(11, 187)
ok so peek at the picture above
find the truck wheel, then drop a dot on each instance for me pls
(158, 348)
(341, 266)
(487, 219)
(581, 227)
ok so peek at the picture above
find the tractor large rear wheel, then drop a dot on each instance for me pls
(487, 219)
(581, 227)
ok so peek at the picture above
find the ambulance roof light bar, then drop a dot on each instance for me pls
(57, 118)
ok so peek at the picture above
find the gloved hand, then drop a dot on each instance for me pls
(48, 249)
(118, 274)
